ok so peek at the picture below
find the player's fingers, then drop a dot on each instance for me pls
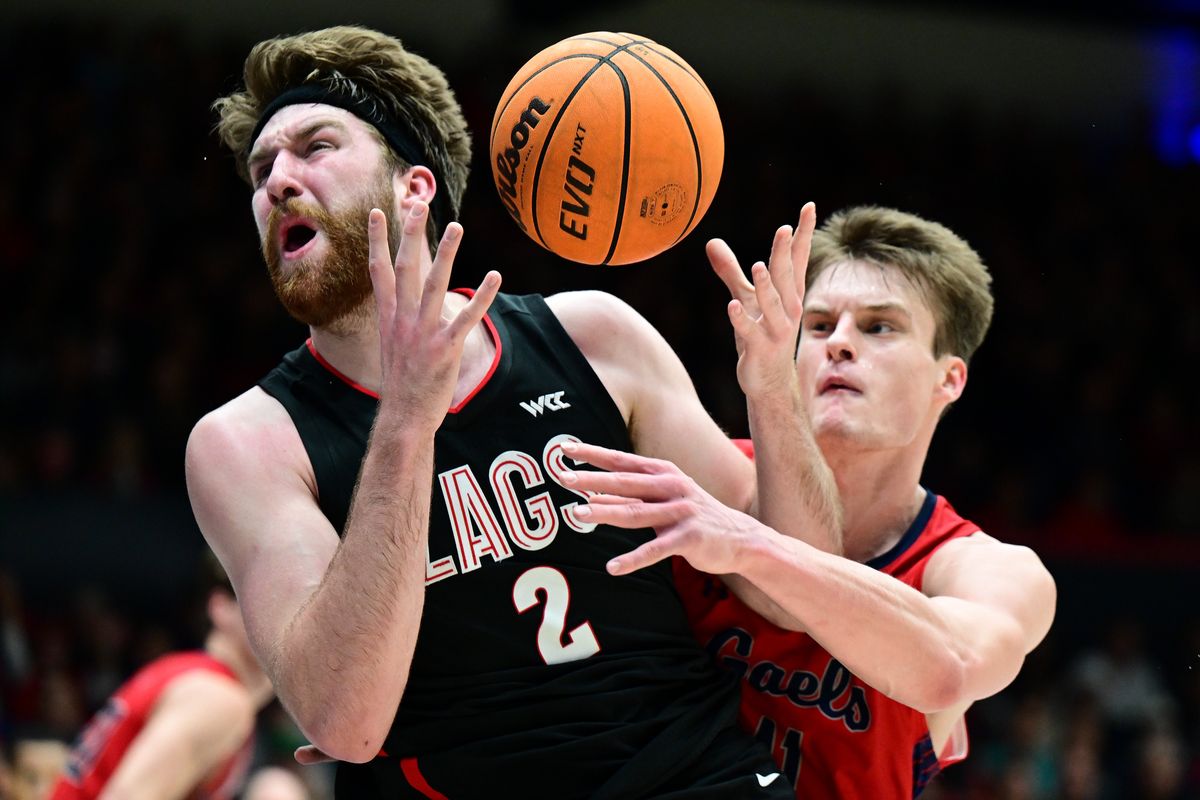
(438, 279)
(379, 263)
(726, 265)
(631, 515)
(645, 555)
(615, 460)
(473, 312)
(781, 266)
(744, 328)
(802, 245)
(635, 485)
(770, 306)
(408, 257)
(610, 500)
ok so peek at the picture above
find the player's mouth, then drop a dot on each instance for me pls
(296, 237)
(837, 384)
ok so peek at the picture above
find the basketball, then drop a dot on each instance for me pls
(606, 148)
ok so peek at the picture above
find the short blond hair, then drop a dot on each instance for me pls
(410, 89)
(940, 263)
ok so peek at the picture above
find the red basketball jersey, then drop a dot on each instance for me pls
(102, 744)
(831, 734)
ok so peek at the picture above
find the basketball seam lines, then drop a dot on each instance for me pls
(612, 247)
(537, 172)
(691, 73)
(539, 71)
(695, 144)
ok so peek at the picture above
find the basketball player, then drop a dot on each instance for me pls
(275, 783)
(37, 761)
(180, 727)
(861, 694)
(389, 500)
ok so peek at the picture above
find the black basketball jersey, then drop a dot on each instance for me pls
(535, 671)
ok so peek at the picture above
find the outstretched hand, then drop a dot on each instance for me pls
(640, 492)
(766, 314)
(420, 344)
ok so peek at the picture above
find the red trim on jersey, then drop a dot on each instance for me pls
(491, 326)
(312, 348)
(495, 360)
(412, 774)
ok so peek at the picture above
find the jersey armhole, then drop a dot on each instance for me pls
(957, 746)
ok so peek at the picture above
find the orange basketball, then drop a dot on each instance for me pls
(606, 148)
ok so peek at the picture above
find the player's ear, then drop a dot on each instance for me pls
(953, 377)
(415, 183)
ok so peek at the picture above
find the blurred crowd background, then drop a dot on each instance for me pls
(135, 301)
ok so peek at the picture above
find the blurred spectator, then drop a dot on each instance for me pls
(275, 783)
(1160, 767)
(37, 761)
(1125, 681)
(16, 657)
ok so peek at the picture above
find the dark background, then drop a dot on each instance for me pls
(1062, 140)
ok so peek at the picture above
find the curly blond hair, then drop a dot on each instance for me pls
(361, 62)
(953, 278)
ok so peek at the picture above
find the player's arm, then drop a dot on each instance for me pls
(199, 721)
(796, 490)
(334, 622)
(985, 606)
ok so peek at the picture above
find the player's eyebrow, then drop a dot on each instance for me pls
(257, 156)
(889, 308)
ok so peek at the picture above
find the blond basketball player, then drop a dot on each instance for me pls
(861, 685)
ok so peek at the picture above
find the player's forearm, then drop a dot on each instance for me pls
(344, 661)
(797, 494)
(888, 634)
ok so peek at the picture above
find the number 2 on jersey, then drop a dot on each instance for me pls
(580, 641)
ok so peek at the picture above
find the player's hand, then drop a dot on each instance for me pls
(421, 345)
(640, 492)
(766, 313)
(309, 755)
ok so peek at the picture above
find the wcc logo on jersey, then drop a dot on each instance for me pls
(547, 402)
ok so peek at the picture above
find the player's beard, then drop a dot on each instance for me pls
(336, 287)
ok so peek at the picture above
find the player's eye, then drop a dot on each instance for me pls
(880, 327)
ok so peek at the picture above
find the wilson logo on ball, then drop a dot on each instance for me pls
(626, 162)
(508, 161)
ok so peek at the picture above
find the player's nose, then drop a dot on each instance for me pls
(284, 181)
(840, 345)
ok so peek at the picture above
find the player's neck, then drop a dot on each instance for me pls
(881, 496)
(352, 348)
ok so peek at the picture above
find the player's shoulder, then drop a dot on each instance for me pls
(212, 686)
(201, 700)
(958, 559)
(599, 322)
(590, 307)
(251, 432)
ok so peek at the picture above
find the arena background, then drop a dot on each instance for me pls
(1062, 139)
